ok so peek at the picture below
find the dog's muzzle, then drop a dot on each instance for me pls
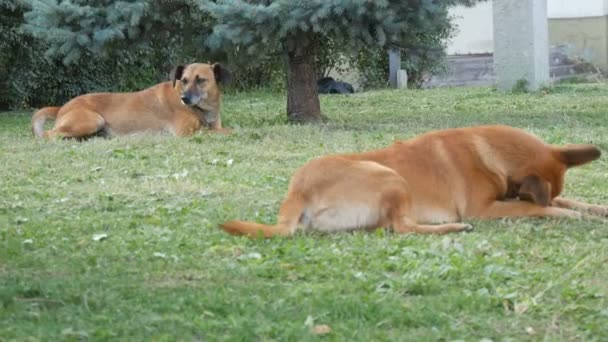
(186, 100)
(191, 100)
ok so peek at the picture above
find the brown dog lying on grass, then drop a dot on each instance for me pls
(430, 183)
(181, 107)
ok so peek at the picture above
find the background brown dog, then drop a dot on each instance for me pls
(182, 106)
(428, 183)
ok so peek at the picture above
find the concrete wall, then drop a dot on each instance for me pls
(584, 38)
(580, 27)
(576, 8)
(521, 46)
(475, 28)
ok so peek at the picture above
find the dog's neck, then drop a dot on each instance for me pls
(206, 116)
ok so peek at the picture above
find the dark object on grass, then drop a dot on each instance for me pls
(327, 85)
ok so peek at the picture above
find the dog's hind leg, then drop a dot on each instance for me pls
(513, 209)
(73, 124)
(406, 225)
(592, 209)
(402, 223)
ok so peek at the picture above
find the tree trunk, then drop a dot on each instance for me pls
(302, 94)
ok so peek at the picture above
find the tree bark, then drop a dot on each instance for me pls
(302, 94)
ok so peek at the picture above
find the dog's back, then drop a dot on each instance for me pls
(455, 173)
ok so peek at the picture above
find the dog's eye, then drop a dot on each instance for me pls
(184, 80)
(201, 80)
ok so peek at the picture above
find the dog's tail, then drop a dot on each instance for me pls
(40, 118)
(289, 217)
(575, 155)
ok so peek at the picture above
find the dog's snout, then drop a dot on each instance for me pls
(186, 100)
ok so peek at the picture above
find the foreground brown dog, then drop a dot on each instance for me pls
(181, 107)
(428, 183)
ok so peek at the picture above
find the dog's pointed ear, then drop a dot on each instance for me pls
(575, 155)
(535, 189)
(222, 75)
(176, 73)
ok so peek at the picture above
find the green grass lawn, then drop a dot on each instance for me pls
(166, 270)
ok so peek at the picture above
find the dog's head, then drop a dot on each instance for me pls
(198, 82)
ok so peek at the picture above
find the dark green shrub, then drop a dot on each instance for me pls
(422, 56)
(29, 78)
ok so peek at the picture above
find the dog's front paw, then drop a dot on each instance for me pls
(225, 131)
(598, 210)
(573, 214)
(467, 227)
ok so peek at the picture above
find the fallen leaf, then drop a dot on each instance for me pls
(253, 255)
(208, 313)
(520, 308)
(309, 321)
(321, 329)
(100, 237)
(179, 175)
(75, 333)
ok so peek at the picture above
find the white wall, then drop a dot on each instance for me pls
(576, 8)
(475, 29)
(475, 25)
